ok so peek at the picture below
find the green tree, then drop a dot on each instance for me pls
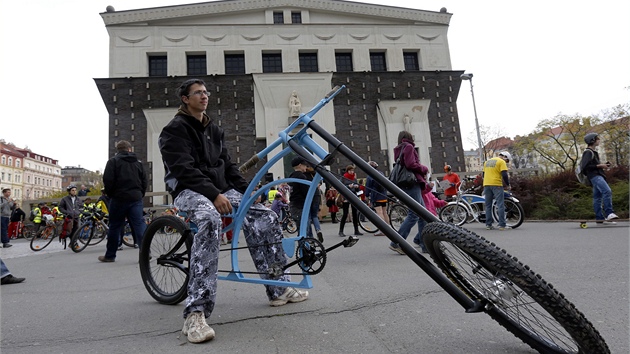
(558, 140)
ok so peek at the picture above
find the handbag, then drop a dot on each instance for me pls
(401, 176)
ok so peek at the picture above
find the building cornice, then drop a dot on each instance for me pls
(228, 6)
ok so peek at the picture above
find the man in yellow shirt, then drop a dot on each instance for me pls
(495, 176)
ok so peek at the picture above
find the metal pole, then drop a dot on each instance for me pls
(477, 124)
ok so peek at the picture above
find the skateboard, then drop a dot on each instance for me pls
(584, 223)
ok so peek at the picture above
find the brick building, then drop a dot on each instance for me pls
(254, 54)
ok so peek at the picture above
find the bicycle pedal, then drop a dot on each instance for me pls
(350, 241)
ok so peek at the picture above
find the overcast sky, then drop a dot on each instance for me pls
(531, 60)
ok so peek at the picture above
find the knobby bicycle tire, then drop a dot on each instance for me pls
(454, 214)
(43, 239)
(82, 236)
(513, 295)
(164, 259)
(514, 213)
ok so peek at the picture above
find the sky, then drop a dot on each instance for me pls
(531, 61)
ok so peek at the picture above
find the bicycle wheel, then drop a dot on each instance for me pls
(164, 259)
(81, 238)
(28, 232)
(454, 214)
(290, 225)
(100, 234)
(514, 296)
(127, 238)
(43, 239)
(397, 215)
(514, 213)
(366, 224)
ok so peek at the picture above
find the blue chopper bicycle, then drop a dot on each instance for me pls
(477, 274)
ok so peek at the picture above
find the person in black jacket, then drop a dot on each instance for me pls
(594, 170)
(125, 183)
(206, 184)
(71, 206)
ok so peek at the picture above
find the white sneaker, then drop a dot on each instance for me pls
(196, 329)
(612, 216)
(290, 295)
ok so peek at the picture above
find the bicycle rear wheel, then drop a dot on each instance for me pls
(397, 215)
(28, 232)
(514, 296)
(164, 259)
(43, 239)
(127, 238)
(454, 214)
(366, 224)
(81, 238)
(514, 213)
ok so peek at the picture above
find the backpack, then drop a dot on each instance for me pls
(32, 216)
(581, 177)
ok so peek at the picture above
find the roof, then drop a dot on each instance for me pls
(221, 8)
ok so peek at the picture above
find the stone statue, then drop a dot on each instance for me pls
(407, 122)
(295, 106)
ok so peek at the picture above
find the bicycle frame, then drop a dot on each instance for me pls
(303, 145)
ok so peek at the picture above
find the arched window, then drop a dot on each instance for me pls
(4, 160)
(18, 163)
(11, 161)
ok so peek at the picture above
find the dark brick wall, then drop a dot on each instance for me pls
(231, 103)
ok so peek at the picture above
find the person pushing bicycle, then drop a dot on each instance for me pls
(205, 183)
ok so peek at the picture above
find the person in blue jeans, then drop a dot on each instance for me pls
(495, 177)
(7, 277)
(125, 183)
(409, 158)
(594, 169)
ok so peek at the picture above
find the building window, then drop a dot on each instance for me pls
(157, 65)
(377, 61)
(17, 163)
(272, 62)
(278, 17)
(196, 65)
(344, 62)
(235, 64)
(296, 17)
(411, 61)
(308, 63)
(4, 160)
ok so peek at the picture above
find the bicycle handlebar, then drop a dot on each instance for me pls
(248, 164)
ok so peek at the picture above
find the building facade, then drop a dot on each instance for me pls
(11, 169)
(256, 55)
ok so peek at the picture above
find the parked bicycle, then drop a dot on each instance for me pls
(92, 229)
(477, 274)
(469, 207)
(44, 237)
(288, 223)
(23, 230)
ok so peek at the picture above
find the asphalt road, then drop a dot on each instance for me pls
(367, 300)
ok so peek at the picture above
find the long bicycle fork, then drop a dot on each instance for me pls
(422, 262)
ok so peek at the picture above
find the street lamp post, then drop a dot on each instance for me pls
(469, 77)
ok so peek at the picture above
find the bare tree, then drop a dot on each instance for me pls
(488, 134)
(615, 130)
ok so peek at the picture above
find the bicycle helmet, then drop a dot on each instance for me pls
(69, 188)
(506, 154)
(447, 168)
(590, 138)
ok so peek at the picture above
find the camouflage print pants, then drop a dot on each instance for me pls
(260, 227)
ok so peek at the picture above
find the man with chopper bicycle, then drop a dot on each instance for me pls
(205, 183)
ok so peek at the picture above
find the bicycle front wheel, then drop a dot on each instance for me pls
(514, 213)
(81, 238)
(366, 224)
(290, 225)
(397, 215)
(454, 214)
(514, 296)
(43, 239)
(164, 259)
